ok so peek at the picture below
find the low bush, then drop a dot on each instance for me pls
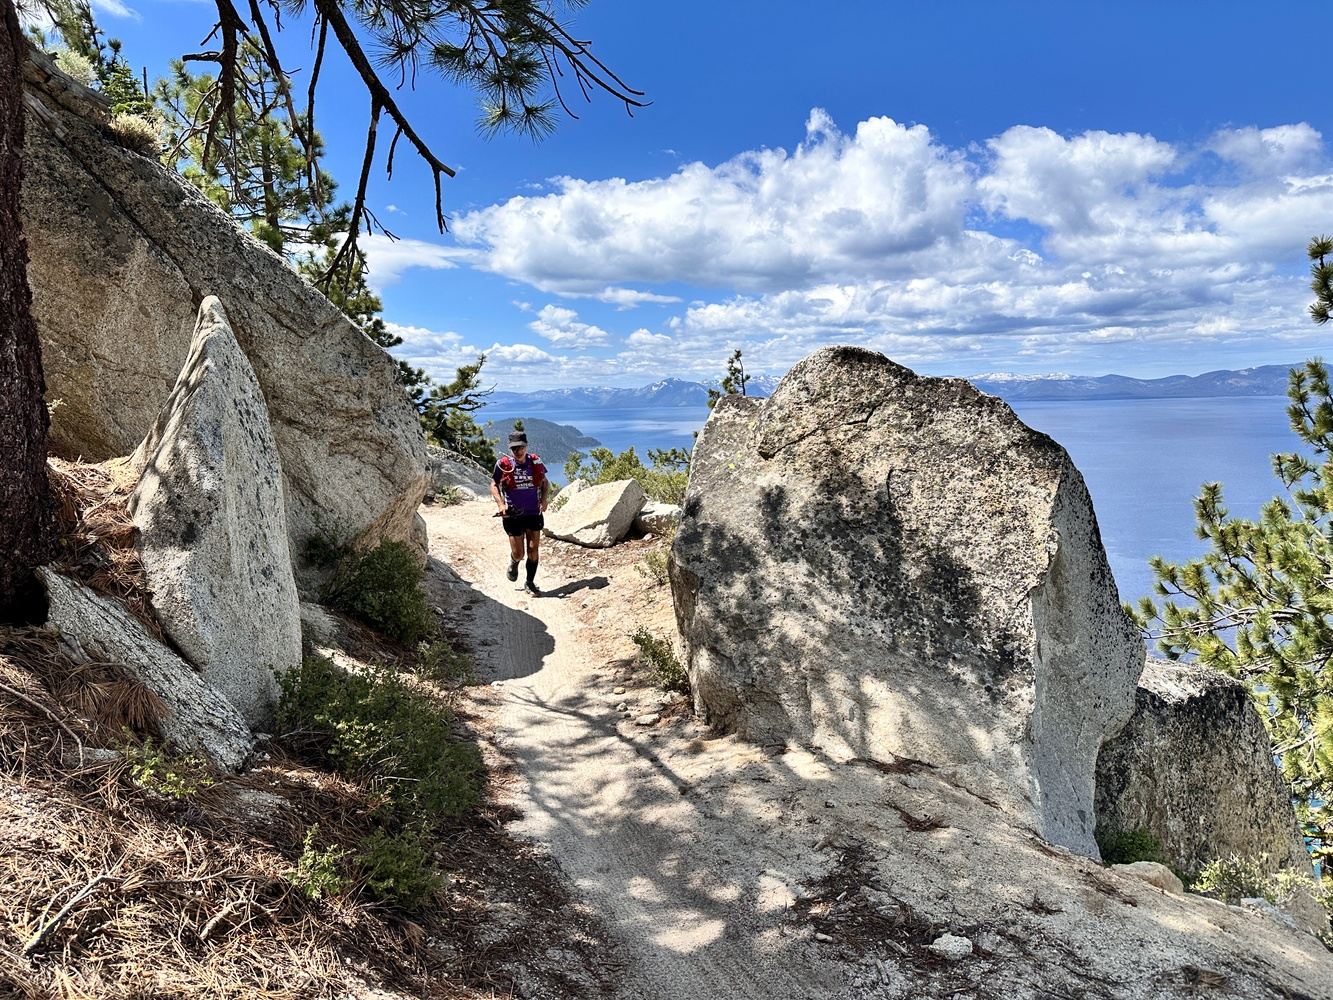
(152, 767)
(399, 867)
(654, 567)
(442, 661)
(449, 496)
(136, 133)
(1124, 847)
(668, 672)
(373, 726)
(379, 586)
(317, 873)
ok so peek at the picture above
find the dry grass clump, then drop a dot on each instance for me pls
(136, 133)
(124, 888)
(98, 534)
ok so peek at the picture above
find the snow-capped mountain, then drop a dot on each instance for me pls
(1265, 380)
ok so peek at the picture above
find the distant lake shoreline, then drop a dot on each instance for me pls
(1143, 459)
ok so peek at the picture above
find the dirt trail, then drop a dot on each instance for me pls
(681, 888)
(725, 870)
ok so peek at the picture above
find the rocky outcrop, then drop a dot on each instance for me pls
(1194, 768)
(123, 251)
(598, 516)
(200, 719)
(886, 566)
(447, 469)
(213, 527)
(657, 518)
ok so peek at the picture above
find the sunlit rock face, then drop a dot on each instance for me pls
(886, 565)
(123, 251)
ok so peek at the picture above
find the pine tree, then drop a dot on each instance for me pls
(27, 522)
(733, 383)
(351, 293)
(1259, 604)
(264, 172)
(446, 413)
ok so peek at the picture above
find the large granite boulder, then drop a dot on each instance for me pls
(122, 253)
(200, 719)
(213, 525)
(886, 565)
(598, 516)
(447, 469)
(1194, 768)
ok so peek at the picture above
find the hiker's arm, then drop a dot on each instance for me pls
(546, 489)
(495, 495)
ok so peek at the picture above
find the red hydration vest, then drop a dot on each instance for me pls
(507, 481)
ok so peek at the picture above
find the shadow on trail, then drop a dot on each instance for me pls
(574, 586)
(508, 643)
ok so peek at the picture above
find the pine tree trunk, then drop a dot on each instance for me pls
(27, 526)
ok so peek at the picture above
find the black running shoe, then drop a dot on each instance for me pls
(513, 570)
(532, 589)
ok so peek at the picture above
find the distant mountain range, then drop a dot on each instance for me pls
(667, 392)
(1266, 380)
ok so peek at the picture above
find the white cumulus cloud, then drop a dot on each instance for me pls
(562, 326)
(1033, 244)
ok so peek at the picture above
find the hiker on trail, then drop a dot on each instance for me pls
(519, 487)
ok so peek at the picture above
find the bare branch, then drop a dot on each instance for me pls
(331, 11)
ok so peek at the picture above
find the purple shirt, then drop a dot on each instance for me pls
(524, 497)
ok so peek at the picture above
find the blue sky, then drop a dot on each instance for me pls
(968, 187)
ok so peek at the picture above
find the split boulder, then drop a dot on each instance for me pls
(1194, 768)
(123, 250)
(213, 528)
(886, 565)
(200, 718)
(599, 516)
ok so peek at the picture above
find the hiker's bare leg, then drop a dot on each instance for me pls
(534, 539)
(516, 547)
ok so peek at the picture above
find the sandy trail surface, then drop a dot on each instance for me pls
(681, 889)
(720, 869)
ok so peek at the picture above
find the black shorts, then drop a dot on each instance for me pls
(521, 524)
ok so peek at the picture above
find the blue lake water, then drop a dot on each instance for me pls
(1143, 460)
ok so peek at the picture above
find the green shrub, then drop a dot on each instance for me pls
(76, 65)
(664, 480)
(1124, 847)
(1235, 878)
(372, 725)
(399, 867)
(381, 587)
(667, 670)
(317, 872)
(153, 768)
(449, 496)
(442, 661)
(654, 566)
